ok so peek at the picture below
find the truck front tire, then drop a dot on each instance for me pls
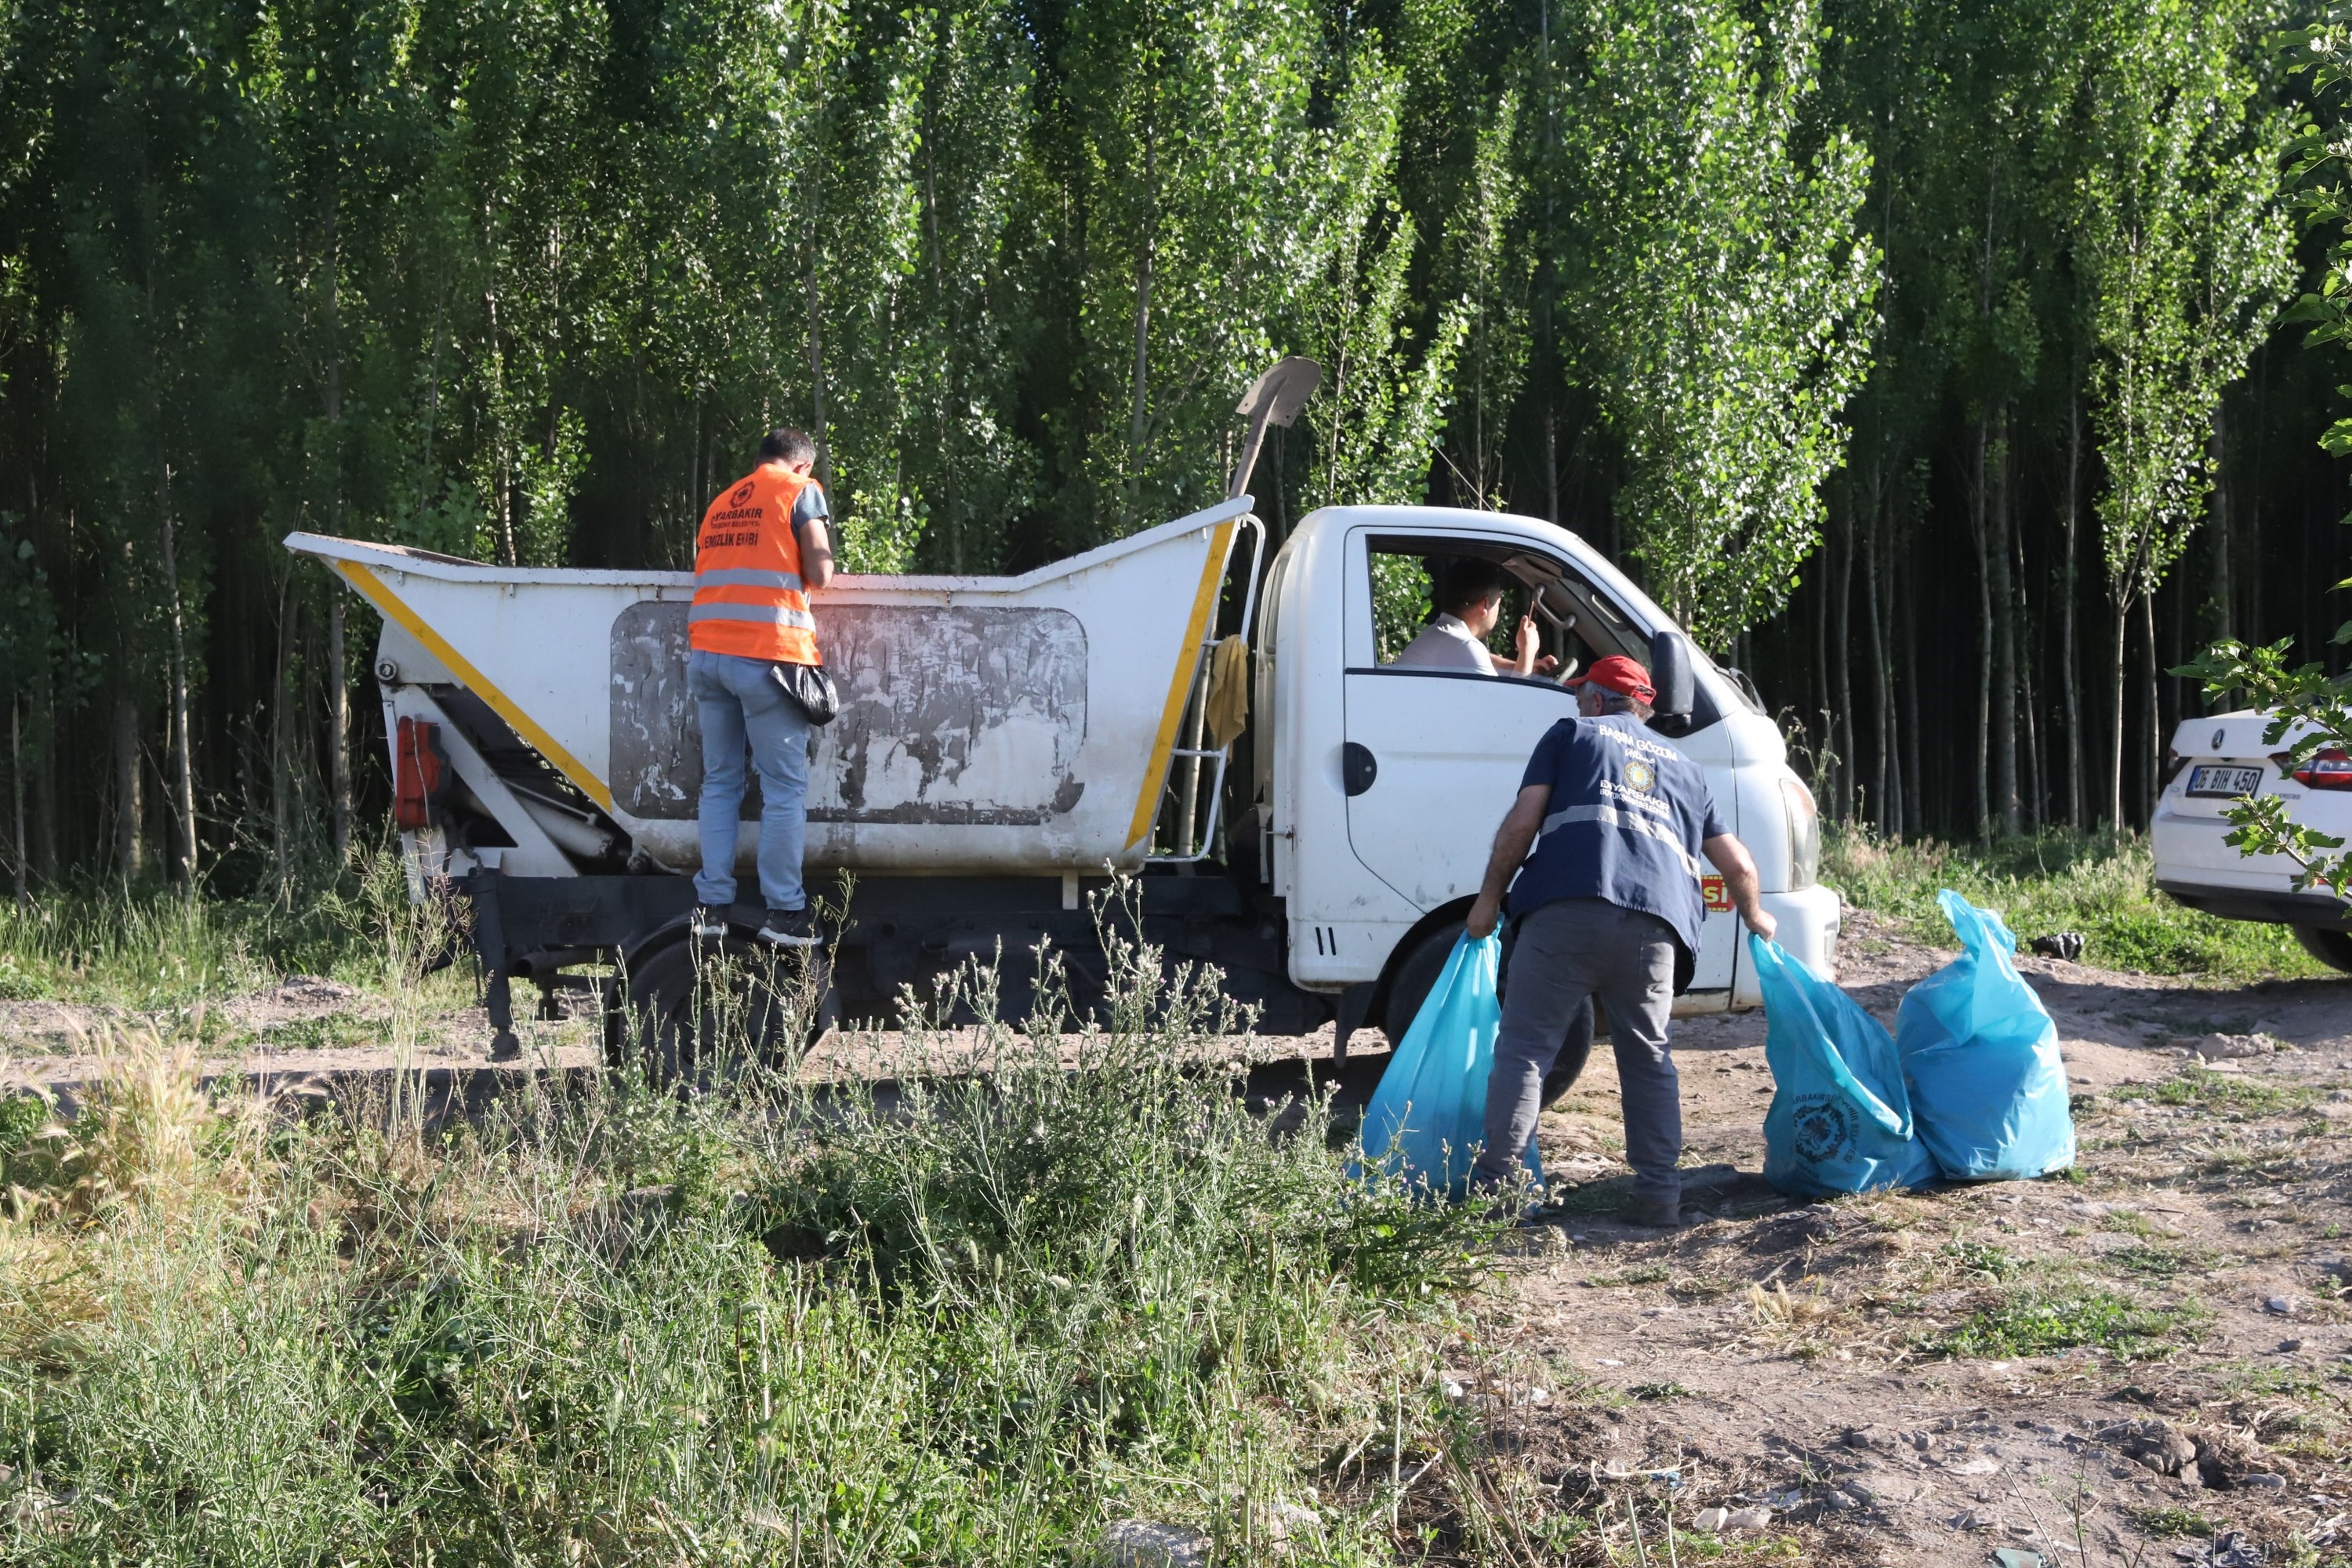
(1415, 976)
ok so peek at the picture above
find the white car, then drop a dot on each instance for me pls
(2217, 760)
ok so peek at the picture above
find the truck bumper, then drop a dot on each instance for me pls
(1808, 932)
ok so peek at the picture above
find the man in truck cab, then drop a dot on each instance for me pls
(762, 546)
(1470, 603)
(1608, 906)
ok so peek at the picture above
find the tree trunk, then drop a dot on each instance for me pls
(2116, 733)
(281, 768)
(2155, 737)
(130, 816)
(2031, 788)
(1887, 802)
(816, 372)
(2069, 654)
(45, 858)
(23, 868)
(2223, 590)
(183, 767)
(1979, 502)
(1916, 795)
(1140, 376)
(338, 730)
(1843, 669)
(2002, 596)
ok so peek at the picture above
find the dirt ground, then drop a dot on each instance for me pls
(2148, 1362)
(1800, 1359)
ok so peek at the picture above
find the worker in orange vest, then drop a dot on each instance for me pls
(762, 548)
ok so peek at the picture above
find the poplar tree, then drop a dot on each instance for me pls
(1719, 292)
(2189, 254)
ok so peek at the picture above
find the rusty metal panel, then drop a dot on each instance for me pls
(950, 715)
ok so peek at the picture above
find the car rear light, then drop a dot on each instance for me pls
(420, 777)
(2329, 768)
(1804, 834)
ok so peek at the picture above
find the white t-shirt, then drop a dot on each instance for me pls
(1446, 644)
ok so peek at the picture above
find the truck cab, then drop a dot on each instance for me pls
(1376, 788)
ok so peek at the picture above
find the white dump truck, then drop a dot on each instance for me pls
(1004, 744)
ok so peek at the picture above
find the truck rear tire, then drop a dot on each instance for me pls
(692, 1015)
(2332, 948)
(1416, 976)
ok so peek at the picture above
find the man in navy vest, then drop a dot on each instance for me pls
(1608, 906)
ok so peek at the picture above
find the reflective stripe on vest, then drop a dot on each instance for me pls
(749, 596)
(1610, 816)
(744, 577)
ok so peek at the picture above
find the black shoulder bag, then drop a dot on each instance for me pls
(809, 686)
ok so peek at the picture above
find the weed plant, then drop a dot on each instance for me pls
(2100, 884)
(2038, 1320)
(151, 947)
(1046, 1282)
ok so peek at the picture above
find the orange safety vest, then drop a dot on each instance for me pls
(748, 598)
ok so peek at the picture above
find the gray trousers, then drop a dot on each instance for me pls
(1566, 951)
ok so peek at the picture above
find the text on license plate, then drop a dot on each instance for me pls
(2230, 782)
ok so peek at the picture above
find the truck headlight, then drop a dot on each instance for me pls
(1804, 834)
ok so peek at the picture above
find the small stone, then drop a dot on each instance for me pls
(2231, 1048)
(2279, 1307)
(1137, 1544)
(1747, 1518)
(1984, 1465)
(2263, 1481)
(2158, 1445)
(2288, 1347)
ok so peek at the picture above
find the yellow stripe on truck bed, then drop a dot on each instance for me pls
(1180, 685)
(372, 589)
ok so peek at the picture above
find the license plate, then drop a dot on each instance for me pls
(2230, 782)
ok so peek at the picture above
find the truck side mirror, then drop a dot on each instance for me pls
(1670, 672)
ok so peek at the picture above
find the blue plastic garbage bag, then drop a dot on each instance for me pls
(1839, 1122)
(1430, 1111)
(1981, 1055)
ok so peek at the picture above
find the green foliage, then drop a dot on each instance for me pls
(2101, 885)
(1721, 291)
(2188, 254)
(2220, 1091)
(2039, 1319)
(2172, 1521)
(970, 1327)
(1982, 1257)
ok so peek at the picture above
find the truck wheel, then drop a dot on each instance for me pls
(2332, 948)
(1417, 976)
(693, 1014)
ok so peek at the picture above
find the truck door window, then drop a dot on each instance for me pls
(1575, 623)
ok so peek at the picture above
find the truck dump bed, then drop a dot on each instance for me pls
(987, 724)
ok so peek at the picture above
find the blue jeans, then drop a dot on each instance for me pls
(741, 703)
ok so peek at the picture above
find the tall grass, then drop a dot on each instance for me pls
(1072, 1280)
(2101, 885)
(151, 947)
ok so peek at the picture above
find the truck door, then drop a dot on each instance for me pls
(1432, 757)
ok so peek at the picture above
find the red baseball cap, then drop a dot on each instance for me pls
(1621, 675)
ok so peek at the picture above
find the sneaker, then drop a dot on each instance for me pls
(789, 927)
(706, 922)
(1654, 1211)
